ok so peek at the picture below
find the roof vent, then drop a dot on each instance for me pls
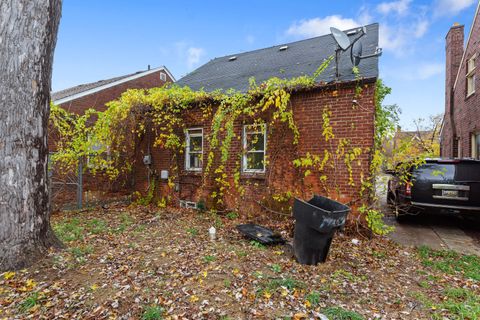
(283, 48)
(232, 58)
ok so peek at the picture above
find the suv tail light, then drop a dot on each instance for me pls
(408, 189)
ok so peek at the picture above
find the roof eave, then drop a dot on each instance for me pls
(112, 84)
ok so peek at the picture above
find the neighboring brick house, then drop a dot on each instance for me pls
(352, 118)
(460, 136)
(95, 95)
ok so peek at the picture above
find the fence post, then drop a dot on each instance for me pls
(80, 184)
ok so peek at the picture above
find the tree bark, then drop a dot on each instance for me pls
(28, 32)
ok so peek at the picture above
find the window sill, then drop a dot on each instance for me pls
(253, 175)
(192, 173)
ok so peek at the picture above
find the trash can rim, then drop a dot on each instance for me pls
(336, 211)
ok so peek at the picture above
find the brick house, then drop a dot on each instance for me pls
(352, 119)
(460, 136)
(95, 95)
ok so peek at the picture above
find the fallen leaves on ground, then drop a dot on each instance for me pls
(124, 262)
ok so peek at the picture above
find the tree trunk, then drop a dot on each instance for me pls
(28, 32)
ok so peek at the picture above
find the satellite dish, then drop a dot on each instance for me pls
(355, 46)
(342, 39)
(356, 53)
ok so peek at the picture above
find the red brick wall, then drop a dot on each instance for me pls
(467, 109)
(454, 52)
(350, 121)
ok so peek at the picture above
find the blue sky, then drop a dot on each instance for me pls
(102, 39)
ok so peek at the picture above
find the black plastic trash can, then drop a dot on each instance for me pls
(315, 224)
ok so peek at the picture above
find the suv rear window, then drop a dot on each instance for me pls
(468, 172)
(436, 171)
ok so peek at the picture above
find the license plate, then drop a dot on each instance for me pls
(450, 193)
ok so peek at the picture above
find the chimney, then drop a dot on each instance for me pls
(454, 53)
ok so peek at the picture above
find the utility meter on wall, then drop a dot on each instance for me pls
(147, 160)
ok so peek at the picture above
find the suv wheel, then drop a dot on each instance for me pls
(390, 197)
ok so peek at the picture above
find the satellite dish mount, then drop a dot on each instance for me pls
(356, 49)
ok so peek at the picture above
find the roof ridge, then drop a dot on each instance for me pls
(302, 57)
(109, 79)
(93, 82)
(91, 87)
(289, 43)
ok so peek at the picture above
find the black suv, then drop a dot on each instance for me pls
(449, 186)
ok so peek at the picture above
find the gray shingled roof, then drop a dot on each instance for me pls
(301, 58)
(87, 86)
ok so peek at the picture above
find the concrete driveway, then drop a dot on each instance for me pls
(435, 231)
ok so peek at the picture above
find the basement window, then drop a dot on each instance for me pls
(194, 149)
(254, 145)
(471, 75)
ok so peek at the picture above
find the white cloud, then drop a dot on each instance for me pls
(399, 38)
(421, 28)
(396, 37)
(415, 71)
(429, 70)
(399, 7)
(189, 54)
(393, 40)
(451, 7)
(320, 26)
(364, 16)
(194, 55)
(250, 39)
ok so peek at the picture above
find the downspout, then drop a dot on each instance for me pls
(452, 120)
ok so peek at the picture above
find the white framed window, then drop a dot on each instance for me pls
(471, 75)
(254, 147)
(475, 142)
(194, 149)
(163, 76)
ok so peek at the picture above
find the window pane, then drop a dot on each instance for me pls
(195, 131)
(470, 84)
(477, 140)
(194, 160)
(471, 64)
(255, 142)
(255, 160)
(195, 143)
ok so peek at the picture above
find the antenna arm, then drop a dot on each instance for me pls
(378, 53)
